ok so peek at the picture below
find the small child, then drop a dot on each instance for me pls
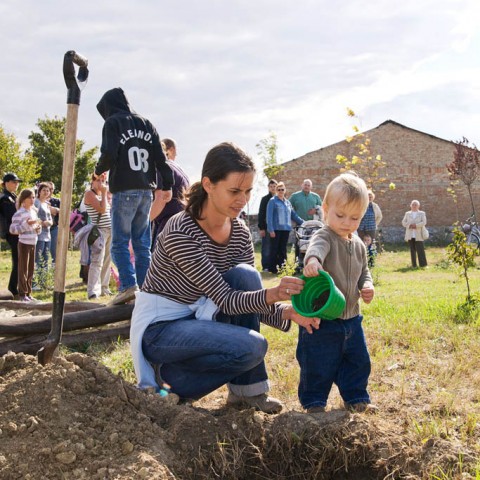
(27, 225)
(371, 250)
(337, 351)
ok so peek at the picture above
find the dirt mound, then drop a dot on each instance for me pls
(74, 419)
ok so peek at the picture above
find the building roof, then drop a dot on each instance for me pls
(386, 122)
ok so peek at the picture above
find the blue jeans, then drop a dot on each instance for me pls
(130, 221)
(335, 353)
(53, 242)
(42, 250)
(199, 356)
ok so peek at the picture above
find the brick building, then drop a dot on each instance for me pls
(415, 163)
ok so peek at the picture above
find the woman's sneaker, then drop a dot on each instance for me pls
(261, 402)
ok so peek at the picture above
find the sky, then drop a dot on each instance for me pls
(208, 71)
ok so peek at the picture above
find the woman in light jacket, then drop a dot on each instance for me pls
(414, 221)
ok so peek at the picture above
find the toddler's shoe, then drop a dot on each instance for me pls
(361, 407)
(261, 402)
(317, 409)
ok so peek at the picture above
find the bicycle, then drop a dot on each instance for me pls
(472, 231)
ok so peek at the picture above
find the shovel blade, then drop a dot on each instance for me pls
(45, 354)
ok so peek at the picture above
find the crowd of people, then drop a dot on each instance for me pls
(185, 255)
(28, 221)
(132, 171)
(279, 215)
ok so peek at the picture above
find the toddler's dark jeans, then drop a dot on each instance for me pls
(335, 353)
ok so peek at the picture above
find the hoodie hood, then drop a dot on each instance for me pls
(114, 101)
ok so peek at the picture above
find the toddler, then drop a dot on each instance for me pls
(371, 249)
(337, 351)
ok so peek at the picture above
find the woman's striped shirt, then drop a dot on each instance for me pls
(104, 221)
(187, 264)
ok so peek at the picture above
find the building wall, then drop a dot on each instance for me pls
(416, 163)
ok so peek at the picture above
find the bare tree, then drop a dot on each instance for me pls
(267, 151)
(465, 168)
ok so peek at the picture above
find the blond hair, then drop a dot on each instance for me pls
(347, 189)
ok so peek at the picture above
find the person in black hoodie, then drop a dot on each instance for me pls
(132, 152)
(7, 209)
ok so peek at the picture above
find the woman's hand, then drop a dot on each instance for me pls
(306, 322)
(288, 286)
(102, 187)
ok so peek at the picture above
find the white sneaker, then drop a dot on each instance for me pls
(125, 296)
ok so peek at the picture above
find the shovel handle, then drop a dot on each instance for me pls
(75, 84)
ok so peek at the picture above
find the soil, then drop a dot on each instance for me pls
(74, 419)
(320, 301)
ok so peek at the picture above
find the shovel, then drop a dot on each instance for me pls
(74, 87)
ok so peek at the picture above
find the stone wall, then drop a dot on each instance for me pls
(415, 163)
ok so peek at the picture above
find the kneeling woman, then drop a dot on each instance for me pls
(196, 320)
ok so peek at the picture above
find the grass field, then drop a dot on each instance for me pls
(426, 359)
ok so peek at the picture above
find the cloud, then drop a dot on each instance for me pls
(208, 71)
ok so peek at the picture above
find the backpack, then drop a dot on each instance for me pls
(77, 220)
(78, 217)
